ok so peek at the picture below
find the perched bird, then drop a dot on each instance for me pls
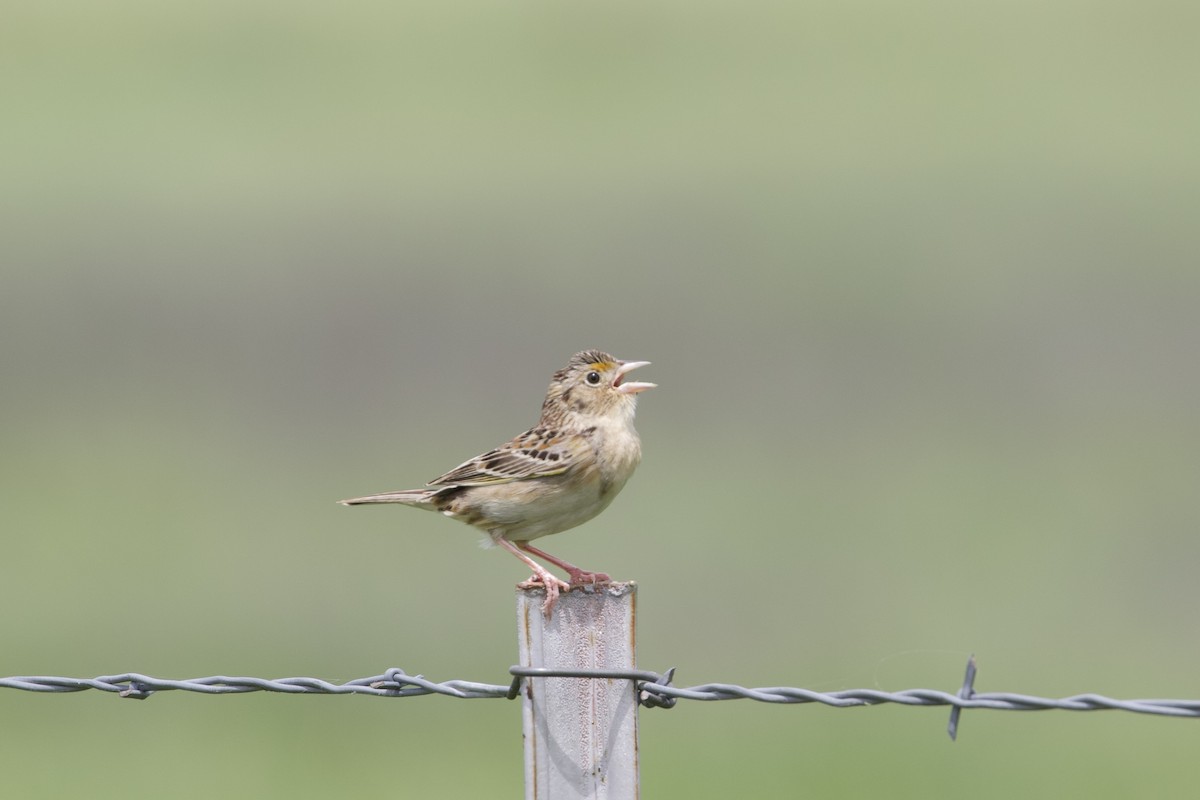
(558, 474)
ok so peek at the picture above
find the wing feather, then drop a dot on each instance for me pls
(537, 453)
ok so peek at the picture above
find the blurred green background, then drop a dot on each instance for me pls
(920, 282)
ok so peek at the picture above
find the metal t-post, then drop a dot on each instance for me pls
(580, 733)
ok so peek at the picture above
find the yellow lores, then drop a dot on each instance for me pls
(558, 474)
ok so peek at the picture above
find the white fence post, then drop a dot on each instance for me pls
(580, 733)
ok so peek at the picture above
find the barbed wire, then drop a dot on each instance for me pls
(393, 683)
(654, 691)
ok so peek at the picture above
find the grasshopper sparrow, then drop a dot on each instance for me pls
(558, 474)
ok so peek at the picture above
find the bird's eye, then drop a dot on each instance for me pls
(593, 378)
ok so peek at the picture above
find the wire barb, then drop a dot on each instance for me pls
(650, 698)
(965, 693)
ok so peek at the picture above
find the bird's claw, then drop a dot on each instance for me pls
(581, 577)
(553, 586)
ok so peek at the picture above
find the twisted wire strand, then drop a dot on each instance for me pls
(1005, 701)
(654, 689)
(393, 683)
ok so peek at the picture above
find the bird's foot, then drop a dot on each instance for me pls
(553, 586)
(581, 577)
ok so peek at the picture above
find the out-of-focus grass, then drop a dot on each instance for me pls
(919, 285)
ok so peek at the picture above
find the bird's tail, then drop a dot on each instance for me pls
(409, 497)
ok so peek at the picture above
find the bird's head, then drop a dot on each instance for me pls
(593, 385)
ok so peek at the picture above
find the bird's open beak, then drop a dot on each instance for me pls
(632, 387)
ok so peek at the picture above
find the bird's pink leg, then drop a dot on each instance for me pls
(541, 575)
(579, 577)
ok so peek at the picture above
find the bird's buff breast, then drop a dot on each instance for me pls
(528, 509)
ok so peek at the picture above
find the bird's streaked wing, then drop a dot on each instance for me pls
(537, 453)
